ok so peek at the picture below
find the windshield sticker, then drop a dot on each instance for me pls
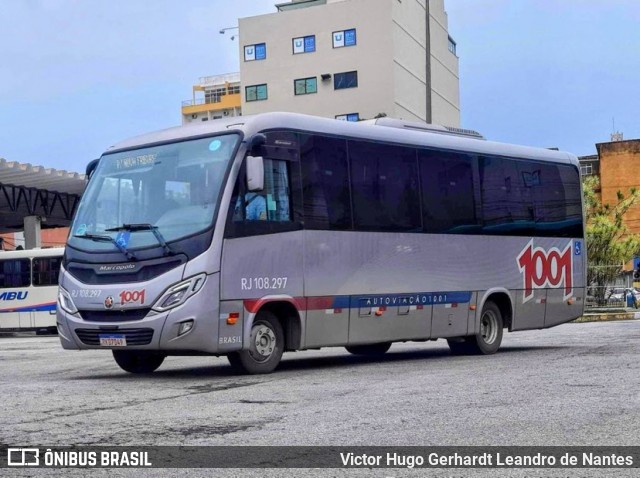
(81, 230)
(136, 161)
(215, 145)
(122, 239)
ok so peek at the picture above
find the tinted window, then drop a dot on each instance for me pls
(325, 182)
(15, 273)
(348, 79)
(384, 187)
(46, 271)
(498, 193)
(561, 214)
(448, 192)
(530, 198)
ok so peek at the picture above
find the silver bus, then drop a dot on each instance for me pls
(252, 236)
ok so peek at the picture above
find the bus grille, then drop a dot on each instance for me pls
(113, 315)
(133, 336)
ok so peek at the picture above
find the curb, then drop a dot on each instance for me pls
(606, 317)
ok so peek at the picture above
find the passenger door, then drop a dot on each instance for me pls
(262, 249)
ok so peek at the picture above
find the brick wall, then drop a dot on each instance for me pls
(620, 171)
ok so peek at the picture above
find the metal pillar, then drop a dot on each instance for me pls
(32, 237)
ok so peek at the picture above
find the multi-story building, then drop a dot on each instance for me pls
(351, 59)
(616, 166)
(213, 97)
(619, 162)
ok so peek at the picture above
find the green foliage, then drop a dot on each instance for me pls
(609, 243)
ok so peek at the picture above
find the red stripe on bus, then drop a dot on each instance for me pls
(301, 303)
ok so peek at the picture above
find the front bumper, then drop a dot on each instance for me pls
(156, 331)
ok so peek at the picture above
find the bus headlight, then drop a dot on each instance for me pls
(65, 301)
(177, 294)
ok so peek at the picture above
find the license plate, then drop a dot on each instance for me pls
(113, 340)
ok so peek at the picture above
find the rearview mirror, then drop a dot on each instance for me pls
(91, 167)
(255, 173)
(255, 144)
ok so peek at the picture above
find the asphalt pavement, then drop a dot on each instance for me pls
(576, 384)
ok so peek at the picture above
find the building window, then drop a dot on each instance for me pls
(348, 79)
(306, 86)
(255, 93)
(452, 46)
(586, 169)
(255, 52)
(215, 95)
(344, 38)
(304, 44)
(349, 117)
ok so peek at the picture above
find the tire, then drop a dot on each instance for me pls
(369, 349)
(486, 342)
(138, 361)
(266, 346)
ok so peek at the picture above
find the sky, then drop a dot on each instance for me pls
(77, 76)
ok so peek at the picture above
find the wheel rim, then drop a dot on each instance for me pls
(263, 343)
(489, 327)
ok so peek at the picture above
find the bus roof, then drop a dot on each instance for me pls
(26, 253)
(250, 125)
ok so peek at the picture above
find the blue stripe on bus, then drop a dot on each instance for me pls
(391, 300)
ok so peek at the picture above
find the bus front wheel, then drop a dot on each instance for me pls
(369, 349)
(488, 340)
(138, 361)
(266, 346)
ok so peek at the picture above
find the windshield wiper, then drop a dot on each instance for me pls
(97, 237)
(145, 227)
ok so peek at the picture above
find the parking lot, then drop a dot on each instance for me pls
(576, 384)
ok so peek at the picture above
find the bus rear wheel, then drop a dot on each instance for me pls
(266, 346)
(138, 361)
(369, 349)
(486, 342)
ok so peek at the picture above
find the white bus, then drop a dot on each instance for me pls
(28, 289)
(252, 236)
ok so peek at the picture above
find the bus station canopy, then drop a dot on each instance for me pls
(28, 190)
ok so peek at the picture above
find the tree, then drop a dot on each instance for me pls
(609, 243)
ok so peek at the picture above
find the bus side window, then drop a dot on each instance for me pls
(266, 211)
(46, 271)
(277, 190)
(15, 273)
(272, 203)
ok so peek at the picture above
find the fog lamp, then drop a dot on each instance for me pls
(185, 327)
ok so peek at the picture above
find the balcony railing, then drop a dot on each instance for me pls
(208, 101)
(197, 102)
(219, 79)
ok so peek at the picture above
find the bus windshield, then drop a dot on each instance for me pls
(144, 197)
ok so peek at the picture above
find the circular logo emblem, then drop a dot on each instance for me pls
(108, 302)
